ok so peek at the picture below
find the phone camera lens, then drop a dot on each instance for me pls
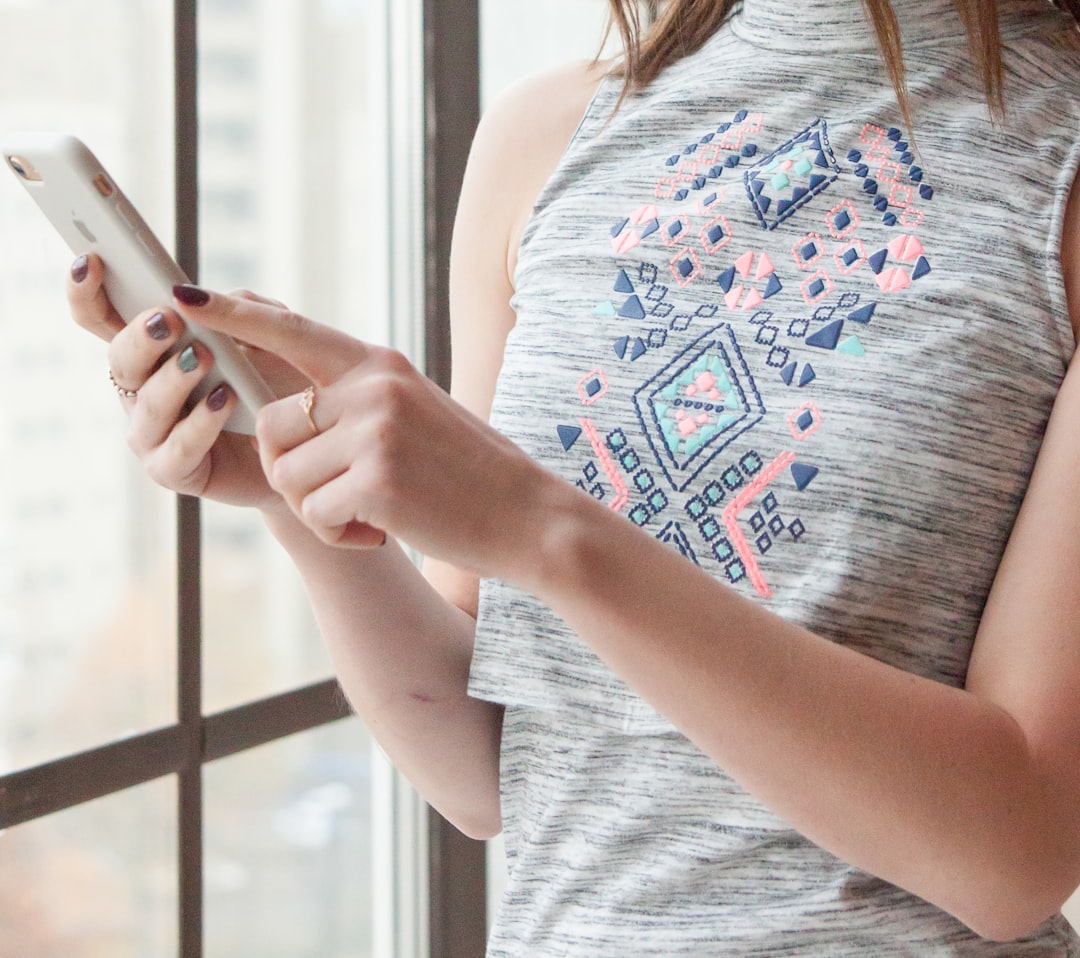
(24, 168)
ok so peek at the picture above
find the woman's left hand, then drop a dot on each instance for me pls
(381, 449)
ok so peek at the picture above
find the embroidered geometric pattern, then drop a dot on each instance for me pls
(792, 175)
(697, 404)
(797, 312)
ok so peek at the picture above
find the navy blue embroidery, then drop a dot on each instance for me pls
(789, 177)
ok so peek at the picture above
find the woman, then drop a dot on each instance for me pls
(800, 314)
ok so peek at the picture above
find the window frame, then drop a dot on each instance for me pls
(447, 50)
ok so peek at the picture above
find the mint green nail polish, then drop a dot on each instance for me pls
(188, 360)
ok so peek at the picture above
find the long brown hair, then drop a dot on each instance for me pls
(655, 34)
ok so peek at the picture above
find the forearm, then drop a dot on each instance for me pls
(926, 786)
(402, 654)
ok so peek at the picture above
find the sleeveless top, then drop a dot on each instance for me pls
(815, 354)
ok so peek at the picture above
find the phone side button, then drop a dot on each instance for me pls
(128, 215)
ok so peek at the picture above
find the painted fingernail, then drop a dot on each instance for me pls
(215, 402)
(188, 360)
(80, 269)
(191, 295)
(158, 327)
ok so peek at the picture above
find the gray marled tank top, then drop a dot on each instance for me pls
(816, 356)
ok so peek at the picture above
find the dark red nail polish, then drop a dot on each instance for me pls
(216, 401)
(158, 327)
(190, 295)
(80, 269)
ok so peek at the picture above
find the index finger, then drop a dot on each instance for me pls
(320, 352)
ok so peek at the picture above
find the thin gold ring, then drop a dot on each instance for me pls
(126, 393)
(307, 404)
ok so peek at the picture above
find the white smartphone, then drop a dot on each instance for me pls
(88, 209)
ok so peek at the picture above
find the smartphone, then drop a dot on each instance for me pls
(89, 210)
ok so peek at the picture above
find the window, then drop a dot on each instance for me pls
(176, 763)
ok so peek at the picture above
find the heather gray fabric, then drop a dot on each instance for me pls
(816, 356)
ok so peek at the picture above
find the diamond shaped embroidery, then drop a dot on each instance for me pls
(698, 404)
(787, 179)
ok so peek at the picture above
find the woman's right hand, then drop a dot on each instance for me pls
(185, 451)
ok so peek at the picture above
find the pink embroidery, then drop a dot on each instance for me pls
(875, 139)
(709, 203)
(622, 494)
(735, 533)
(685, 266)
(808, 250)
(892, 279)
(732, 137)
(628, 239)
(805, 421)
(817, 287)
(852, 218)
(719, 223)
(708, 155)
(593, 387)
(906, 248)
(764, 267)
(849, 257)
(745, 267)
(674, 230)
(688, 171)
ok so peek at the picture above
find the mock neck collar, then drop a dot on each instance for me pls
(808, 26)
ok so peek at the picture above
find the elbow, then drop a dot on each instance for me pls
(479, 827)
(1008, 923)
(479, 818)
(480, 831)
(1011, 909)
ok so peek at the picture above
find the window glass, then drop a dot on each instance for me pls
(97, 881)
(520, 38)
(289, 848)
(87, 569)
(293, 171)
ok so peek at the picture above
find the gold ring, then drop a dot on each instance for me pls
(307, 404)
(126, 393)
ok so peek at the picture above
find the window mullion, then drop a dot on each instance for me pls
(456, 864)
(189, 537)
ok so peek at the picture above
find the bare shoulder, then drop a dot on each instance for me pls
(547, 104)
(529, 126)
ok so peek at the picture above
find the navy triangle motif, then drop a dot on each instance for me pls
(865, 314)
(568, 435)
(828, 336)
(622, 283)
(803, 474)
(632, 309)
